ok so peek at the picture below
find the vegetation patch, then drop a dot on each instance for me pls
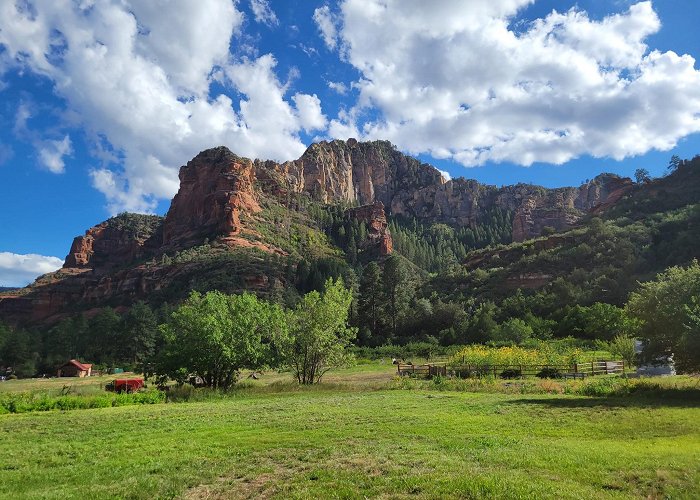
(23, 402)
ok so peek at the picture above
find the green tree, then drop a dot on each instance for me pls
(318, 333)
(674, 163)
(482, 324)
(214, 336)
(139, 334)
(605, 321)
(642, 176)
(669, 312)
(513, 330)
(622, 346)
(102, 342)
(399, 289)
(370, 302)
(17, 353)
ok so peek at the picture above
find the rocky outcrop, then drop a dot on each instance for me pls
(378, 235)
(117, 241)
(215, 187)
(559, 209)
(366, 172)
(362, 172)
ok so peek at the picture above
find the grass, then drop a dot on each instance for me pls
(58, 386)
(353, 437)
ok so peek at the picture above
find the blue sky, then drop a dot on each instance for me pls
(101, 101)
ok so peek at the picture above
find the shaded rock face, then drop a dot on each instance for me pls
(378, 235)
(215, 187)
(119, 240)
(559, 209)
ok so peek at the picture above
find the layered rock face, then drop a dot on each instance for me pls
(367, 172)
(215, 187)
(378, 235)
(560, 209)
(364, 172)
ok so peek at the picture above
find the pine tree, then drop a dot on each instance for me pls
(398, 289)
(370, 301)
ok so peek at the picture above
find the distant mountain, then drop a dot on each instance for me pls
(240, 224)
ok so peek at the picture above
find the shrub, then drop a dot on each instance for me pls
(549, 372)
(511, 373)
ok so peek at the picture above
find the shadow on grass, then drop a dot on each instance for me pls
(670, 398)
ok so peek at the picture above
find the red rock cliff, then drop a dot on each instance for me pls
(378, 235)
(215, 187)
(116, 241)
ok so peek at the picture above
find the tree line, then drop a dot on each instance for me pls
(215, 335)
(210, 337)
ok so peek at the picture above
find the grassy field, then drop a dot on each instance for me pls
(353, 437)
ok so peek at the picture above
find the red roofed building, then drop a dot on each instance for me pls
(74, 368)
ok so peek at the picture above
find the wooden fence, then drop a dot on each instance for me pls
(578, 370)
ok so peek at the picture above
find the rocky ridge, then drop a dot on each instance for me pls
(367, 172)
(221, 194)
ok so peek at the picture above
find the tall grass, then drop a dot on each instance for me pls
(685, 387)
(22, 402)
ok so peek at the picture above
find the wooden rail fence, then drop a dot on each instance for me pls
(577, 370)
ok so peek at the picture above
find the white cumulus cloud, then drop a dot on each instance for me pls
(19, 270)
(457, 80)
(138, 77)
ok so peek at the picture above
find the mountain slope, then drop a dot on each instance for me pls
(240, 224)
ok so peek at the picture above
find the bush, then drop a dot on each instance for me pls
(511, 373)
(548, 372)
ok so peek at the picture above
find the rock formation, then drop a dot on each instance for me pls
(116, 241)
(378, 235)
(127, 257)
(366, 172)
(215, 187)
(559, 209)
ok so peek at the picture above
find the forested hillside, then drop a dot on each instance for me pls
(413, 279)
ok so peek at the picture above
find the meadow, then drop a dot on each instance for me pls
(362, 433)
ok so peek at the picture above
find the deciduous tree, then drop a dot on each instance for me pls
(318, 333)
(669, 310)
(214, 336)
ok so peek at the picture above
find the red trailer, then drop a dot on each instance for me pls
(127, 385)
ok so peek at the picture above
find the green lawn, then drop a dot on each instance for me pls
(341, 441)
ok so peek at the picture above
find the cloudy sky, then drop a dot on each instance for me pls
(102, 100)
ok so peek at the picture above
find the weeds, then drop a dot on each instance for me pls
(23, 402)
(600, 386)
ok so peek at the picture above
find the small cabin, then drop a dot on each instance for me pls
(74, 368)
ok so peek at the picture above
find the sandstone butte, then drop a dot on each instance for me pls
(217, 187)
